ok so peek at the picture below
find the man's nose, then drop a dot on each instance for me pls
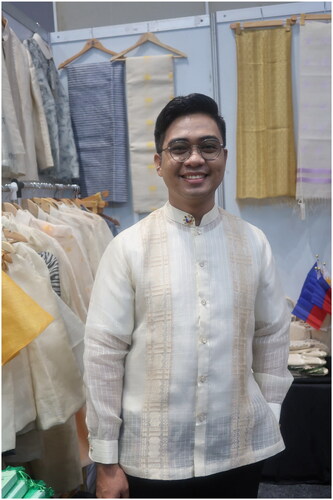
(195, 155)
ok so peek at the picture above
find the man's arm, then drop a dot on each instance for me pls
(108, 334)
(271, 338)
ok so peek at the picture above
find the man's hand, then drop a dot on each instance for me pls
(111, 482)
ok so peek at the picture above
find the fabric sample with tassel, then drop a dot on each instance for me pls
(266, 161)
(149, 86)
(314, 142)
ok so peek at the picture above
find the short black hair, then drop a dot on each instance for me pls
(186, 105)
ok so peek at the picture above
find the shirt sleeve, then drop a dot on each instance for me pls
(271, 337)
(107, 338)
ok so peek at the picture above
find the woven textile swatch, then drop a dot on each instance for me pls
(266, 160)
(314, 141)
(98, 110)
(149, 86)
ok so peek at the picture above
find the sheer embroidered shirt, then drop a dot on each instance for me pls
(186, 347)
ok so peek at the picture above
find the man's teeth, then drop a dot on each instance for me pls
(194, 176)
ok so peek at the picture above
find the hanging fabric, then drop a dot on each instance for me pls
(22, 319)
(314, 123)
(100, 127)
(149, 86)
(55, 101)
(19, 110)
(266, 160)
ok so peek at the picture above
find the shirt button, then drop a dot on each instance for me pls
(203, 340)
(201, 264)
(202, 378)
(204, 302)
(202, 417)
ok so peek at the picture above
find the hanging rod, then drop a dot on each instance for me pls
(263, 24)
(45, 185)
(311, 17)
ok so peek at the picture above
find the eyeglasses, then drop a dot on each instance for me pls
(181, 151)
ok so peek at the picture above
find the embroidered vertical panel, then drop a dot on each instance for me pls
(314, 141)
(241, 263)
(266, 160)
(154, 423)
(149, 87)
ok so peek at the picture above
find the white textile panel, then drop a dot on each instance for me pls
(149, 87)
(314, 136)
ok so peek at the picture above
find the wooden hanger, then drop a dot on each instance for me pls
(4, 21)
(7, 247)
(13, 236)
(149, 37)
(9, 207)
(93, 43)
(31, 206)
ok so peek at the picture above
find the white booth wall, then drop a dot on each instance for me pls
(210, 68)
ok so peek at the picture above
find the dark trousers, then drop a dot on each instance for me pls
(242, 482)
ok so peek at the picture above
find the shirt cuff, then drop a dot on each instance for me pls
(276, 409)
(104, 452)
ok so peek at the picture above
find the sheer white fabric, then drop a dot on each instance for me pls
(186, 347)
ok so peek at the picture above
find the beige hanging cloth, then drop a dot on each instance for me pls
(314, 122)
(266, 160)
(149, 87)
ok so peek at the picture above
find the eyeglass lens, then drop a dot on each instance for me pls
(182, 150)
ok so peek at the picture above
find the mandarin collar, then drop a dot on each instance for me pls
(186, 218)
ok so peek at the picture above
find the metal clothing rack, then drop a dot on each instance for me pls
(27, 189)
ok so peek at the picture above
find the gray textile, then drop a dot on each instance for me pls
(98, 110)
(57, 113)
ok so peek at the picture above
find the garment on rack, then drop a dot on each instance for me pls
(18, 400)
(95, 233)
(314, 143)
(40, 241)
(266, 160)
(100, 127)
(41, 131)
(19, 91)
(69, 241)
(57, 380)
(13, 151)
(22, 319)
(43, 401)
(57, 112)
(149, 86)
(53, 267)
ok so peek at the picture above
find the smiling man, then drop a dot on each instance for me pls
(187, 334)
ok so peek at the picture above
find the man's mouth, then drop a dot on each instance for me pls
(193, 176)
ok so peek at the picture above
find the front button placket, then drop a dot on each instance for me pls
(202, 284)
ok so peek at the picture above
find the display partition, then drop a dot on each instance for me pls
(210, 68)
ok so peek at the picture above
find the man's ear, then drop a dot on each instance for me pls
(157, 162)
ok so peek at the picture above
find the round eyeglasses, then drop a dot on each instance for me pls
(181, 151)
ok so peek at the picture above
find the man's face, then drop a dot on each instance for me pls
(193, 182)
